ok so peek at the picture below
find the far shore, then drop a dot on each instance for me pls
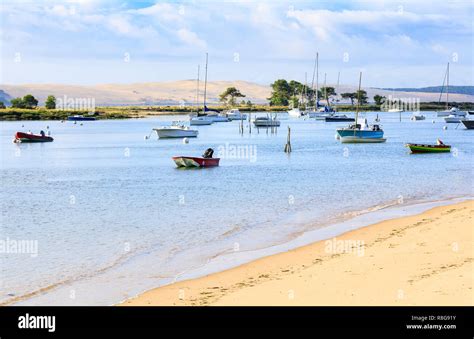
(425, 259)
(133, 112)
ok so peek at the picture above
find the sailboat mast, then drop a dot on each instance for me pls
(325, 90)
(447, 89)
(358, 101)
(197, 91)
(317, 80)
(205, 84)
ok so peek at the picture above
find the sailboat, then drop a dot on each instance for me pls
(360, 132)
(199, 120)
(454, 111)
(314, 112)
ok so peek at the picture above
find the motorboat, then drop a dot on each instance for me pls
(452, 111)
(193, 162)
(29, 137)
(295, 112)
(176, 130)
(217, 117)
(452, 118)
(79, 117)
(200, 121)
(417, 117)
(266, 122)
(338, 118)
(469, 124)
(426, 148)
(235, 114)
(395, 110)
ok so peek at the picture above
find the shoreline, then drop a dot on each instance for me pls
(311, 275)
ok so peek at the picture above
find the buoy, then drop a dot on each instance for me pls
(185, 141)
(432, 121)
(445, 127)
(146, 137)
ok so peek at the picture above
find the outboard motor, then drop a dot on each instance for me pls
(208, 153)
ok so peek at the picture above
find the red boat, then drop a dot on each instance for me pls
(27, 137)
(182, 161)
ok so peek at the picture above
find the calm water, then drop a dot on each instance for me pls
(112, 216)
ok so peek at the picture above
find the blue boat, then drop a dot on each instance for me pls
(80, 118)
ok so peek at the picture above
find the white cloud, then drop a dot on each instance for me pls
(191, 38)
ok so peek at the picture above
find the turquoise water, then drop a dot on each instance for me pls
(112, 216)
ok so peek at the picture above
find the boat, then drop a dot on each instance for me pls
(469, 124)
(235, 114)
(395, 110)
(425, 148)
(79, 117)
(338, 118)
(417, 117)
(193, 162)
(185, 161)
(295, 112)
(201, 120)
(29, 137)
(452, 118)
(216, 117)
(176, 130)
(470, 112)
(360, 132)
(266, 122)
(454, 110)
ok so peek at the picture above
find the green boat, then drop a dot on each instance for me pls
(423, 148)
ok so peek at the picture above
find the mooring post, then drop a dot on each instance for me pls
(288, 141)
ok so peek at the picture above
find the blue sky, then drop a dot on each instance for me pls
(395, 43)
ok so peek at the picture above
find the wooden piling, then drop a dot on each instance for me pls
(288, 141)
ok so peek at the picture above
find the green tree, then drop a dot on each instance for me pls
(379, 100)
(2, 105)
(281, 93)
(229, 95)
(350, 96)
(50, 102)
(29, 101)
(249, 103)
(17, 103)
(362, 96)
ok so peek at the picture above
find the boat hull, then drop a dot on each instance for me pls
(266, 123)
(359, 140)
(422, 148)
(26, 137)
(200, 122)
(80, 118)
(469, 124)
(360, 133)
(195, 162)
(336, 119)
(170, 133)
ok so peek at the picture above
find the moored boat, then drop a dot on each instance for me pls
(192, 162)
(266, 122)
(295, 112)
(28, 137)
(176, 130)
(469, 124)
(80, 118)
(200, 121)
(427, 148)
(452, 118)
(338, 118)
(418, 117)
(235, 114)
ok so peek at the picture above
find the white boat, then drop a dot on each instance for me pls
(176, 130)
(200, 121)
(452, 111)
(215, 117)
(417, 117)
(266, 122)
(295, 112)
(395, 110)
(453, 118)
(235, 114)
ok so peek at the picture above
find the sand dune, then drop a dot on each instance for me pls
(183, 92)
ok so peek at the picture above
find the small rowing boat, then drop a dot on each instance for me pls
(192, 162)
(28, 137)
(424, 148)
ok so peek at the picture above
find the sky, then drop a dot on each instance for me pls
(394, 43)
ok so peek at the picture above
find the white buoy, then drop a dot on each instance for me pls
(185, 141)
(445, 127)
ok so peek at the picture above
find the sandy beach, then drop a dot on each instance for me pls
(425, 259)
